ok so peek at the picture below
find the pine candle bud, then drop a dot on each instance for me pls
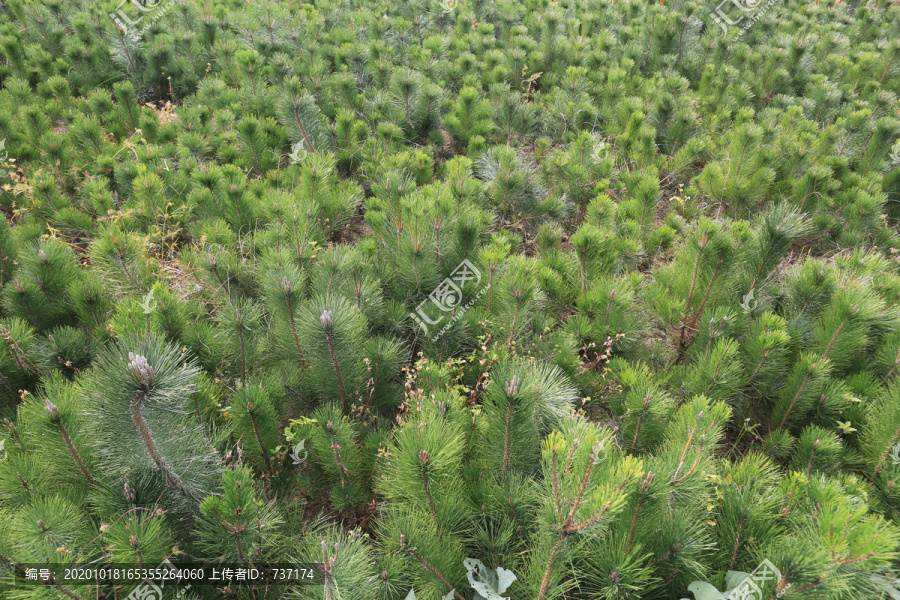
(647, 482)
(424, 457)
(43, 256)
(513, 386)
(52, 411)
(129, 494)
(141, 369)
(40, 523)
(327, 319)
(285, 285)
(133, 541)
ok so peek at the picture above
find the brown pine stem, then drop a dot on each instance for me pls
(693, 467)
(575, 527)
(894, 368)
(812, 456)
(709, 287)
(309, 143)
(759, 366)
(583, 271)
(124, 263)
(75, 455)
(687, 445)
(512, 509)
(329, 336)
(515, 323)
(796, 397)
(847, 561)
(11, 427)
(575, 444)
(425, 459)
(345, 473)
(634, 521)
(577, 502)
(127, 55)
(637, 431)
(143, 429)
(675, 549)
(243, 346)
(716, 372)
(430, 567)
(834, 337)
(507, 447)
(262, 447)
(491, 286)
(737, 540)
(687, 304)
(545, 582)
(554, 476)
(644, 488)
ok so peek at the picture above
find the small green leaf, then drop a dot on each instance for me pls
(505, 579)
(845, 427)
(487, 584)
(705, 591)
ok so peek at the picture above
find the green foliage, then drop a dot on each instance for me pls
(453, 299)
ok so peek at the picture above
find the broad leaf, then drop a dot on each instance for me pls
(487, 584)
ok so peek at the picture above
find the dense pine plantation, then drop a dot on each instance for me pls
(497, 299)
